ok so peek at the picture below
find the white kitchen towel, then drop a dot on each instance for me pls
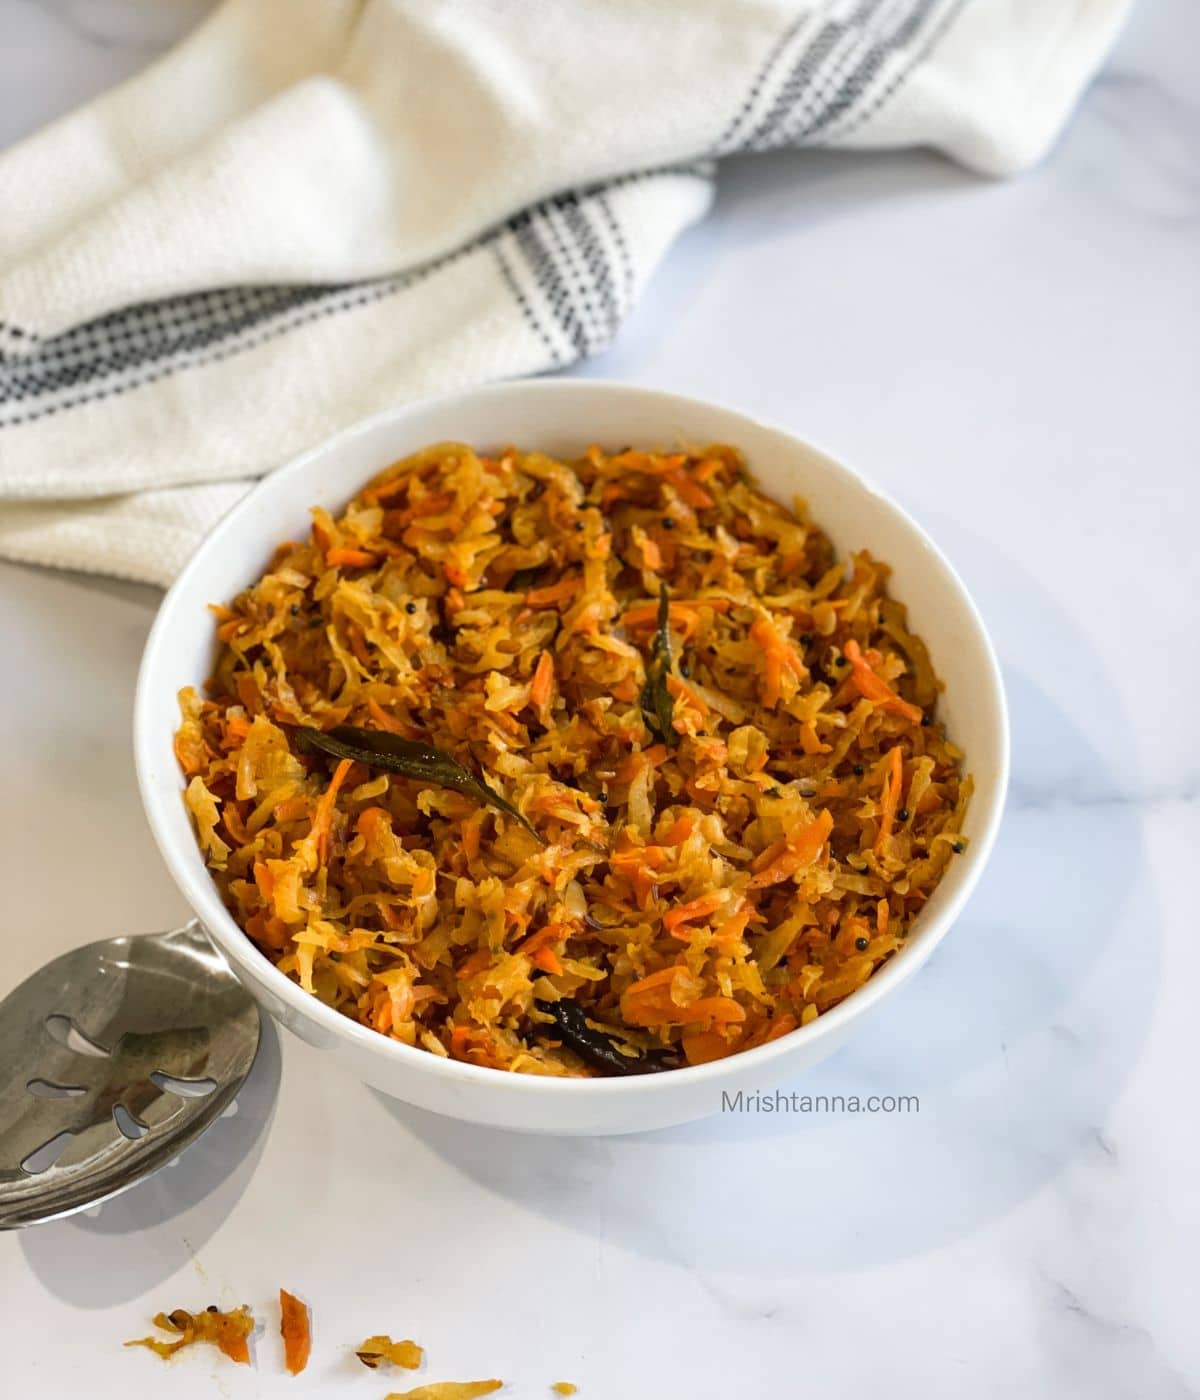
(314, 209)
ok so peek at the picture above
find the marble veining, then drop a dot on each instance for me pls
(1017, 363)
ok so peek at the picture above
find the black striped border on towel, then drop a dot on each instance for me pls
(566, 261)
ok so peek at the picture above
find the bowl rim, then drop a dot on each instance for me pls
(201, 894)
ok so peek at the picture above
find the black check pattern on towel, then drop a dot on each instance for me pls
(566, 261)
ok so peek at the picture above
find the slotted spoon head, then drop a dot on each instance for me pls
(113, 1058)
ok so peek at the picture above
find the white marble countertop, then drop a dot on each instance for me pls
(1026, 385)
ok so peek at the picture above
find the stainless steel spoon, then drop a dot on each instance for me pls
(113, 1058)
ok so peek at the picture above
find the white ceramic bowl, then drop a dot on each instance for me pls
(562, 417)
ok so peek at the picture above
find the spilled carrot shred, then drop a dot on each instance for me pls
(448, 1390)
(376, 1350)
(227, 1331)
(296, 1331)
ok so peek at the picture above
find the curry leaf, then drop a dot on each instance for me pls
(522, 580)
(410, 758)
(599, 1049)
(657, 705)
